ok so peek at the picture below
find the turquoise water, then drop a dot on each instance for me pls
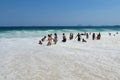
(22, 58)
(28, 32)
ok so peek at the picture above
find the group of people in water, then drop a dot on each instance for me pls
(71, 36)
(55, 39)
(110, 34)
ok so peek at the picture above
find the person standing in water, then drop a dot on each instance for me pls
(71, 36)
(64, 38)
(78, 36)
(109, 34)
(93, 36)
(99, 36)
(49, 40)
(87, 35)
(116, 32)
(55, 38)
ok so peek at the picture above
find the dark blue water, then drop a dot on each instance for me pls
(99, 28)
(40, 31)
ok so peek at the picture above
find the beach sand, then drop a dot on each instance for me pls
(25, 59)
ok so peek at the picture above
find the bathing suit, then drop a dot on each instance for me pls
(78, 39)
(64, 40)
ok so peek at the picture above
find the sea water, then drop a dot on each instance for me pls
(22, 58)
(26, 32)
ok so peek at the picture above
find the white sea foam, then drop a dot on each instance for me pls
(24, 59)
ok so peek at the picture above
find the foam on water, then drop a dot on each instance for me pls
(23, 59)
(24, 32)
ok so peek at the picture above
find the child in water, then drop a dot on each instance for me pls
(83, 40)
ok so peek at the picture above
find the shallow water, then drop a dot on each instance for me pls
(23, 59)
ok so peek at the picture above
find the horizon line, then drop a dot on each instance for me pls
(58, 26)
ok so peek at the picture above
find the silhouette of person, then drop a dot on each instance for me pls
(78, 36)
(93, 36)
(64, 38)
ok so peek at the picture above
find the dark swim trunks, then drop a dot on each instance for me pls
(78, 39)
(64, 40)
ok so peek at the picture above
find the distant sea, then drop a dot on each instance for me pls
(99, 28)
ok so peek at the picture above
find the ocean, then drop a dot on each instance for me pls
(22, 58)
(39, 31)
